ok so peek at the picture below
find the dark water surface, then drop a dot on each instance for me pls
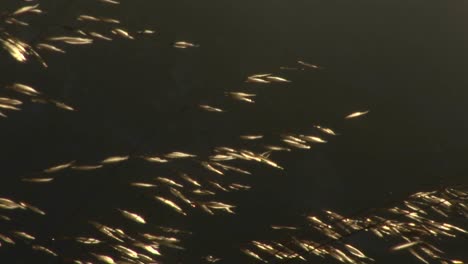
(405, 61)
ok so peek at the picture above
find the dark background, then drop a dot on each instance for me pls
(405, 61)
